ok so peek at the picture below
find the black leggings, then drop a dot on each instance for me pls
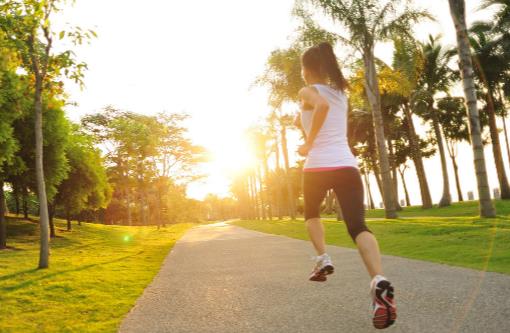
(348, 187)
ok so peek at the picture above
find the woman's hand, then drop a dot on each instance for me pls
(303, 150)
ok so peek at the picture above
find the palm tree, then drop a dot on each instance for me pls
(436, 77)
(402, 82)
(283, 76)
(452, 116)
(500, 38)
(369, 22)
(458, 13)
(490, 66)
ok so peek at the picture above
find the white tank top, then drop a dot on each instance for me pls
(330, 148)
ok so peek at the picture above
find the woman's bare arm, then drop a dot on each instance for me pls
(320, 106)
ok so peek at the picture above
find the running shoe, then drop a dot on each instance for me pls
(384, 308)
(323, 268)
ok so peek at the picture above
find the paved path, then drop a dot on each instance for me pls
(225, 279)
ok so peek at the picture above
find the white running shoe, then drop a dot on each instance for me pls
(383, 302)
(323, 267)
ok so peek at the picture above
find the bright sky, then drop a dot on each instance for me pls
(201, 57)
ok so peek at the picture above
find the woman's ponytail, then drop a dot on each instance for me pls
(321, 59)
(329, 66)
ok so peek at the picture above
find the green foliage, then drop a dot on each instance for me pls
(370, 21)
(11, 94)
(452, 115)
(86, 186)
(283, 75)
(150, 160)
(27, 26)
(56, 131)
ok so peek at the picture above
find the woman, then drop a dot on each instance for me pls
(330, 164)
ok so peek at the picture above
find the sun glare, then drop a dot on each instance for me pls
(232, 154)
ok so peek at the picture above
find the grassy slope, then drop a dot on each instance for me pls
(97, 272)
(463, 240)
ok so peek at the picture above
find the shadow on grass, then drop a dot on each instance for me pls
(47, 276)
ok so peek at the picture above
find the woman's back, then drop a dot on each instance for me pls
(330, 148)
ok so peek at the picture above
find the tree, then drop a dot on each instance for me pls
(490, 67)
(400, 85)
(28, 26)
(369, 22)
(11, 94)
(436, 76)
(458, 13)
(283, 76)
(143, 154)
(86, 186)
(452, 116)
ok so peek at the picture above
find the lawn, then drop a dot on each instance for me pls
(465, 208)
(96, 274)
(464, 240)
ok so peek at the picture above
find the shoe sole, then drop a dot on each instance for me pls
(321, 276)
(386, 315)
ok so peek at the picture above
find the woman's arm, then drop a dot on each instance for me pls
(297, 123)
(320, 106)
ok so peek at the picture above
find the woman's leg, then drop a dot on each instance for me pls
(348, 188)
(314, 193)
(369, 251)
(316, 233)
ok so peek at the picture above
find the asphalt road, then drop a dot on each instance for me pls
(226, 279)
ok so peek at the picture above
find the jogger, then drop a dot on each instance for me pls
(330, 164)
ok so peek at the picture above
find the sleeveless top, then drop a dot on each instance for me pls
(330, 149)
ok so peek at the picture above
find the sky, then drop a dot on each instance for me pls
(202, 57)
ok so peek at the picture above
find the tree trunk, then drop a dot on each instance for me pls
(267, 191)
(51, 213)
(452, 153)
(329, 202)
(506, 138)
(338, 209)
(377, 174)
(25, 202)
(262, 193)
(408, 199)
(446, 199)
(128, 206)
(290, 191)
(394, 175)
(503, 119)
(16, 199)
(496, 147)
(253, 187)
(374, 98)
(3, 227)
(417, 157)
(44, 251)
(68, 219)
(369, 192)
(458, 13)
(279, 201)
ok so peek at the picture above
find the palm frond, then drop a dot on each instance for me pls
(401, 25)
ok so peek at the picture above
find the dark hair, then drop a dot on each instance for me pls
(322, 60)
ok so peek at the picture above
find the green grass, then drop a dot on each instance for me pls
(96, 274)
(465, 208)
(466, 241)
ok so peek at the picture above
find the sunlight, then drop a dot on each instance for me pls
(232, 154)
